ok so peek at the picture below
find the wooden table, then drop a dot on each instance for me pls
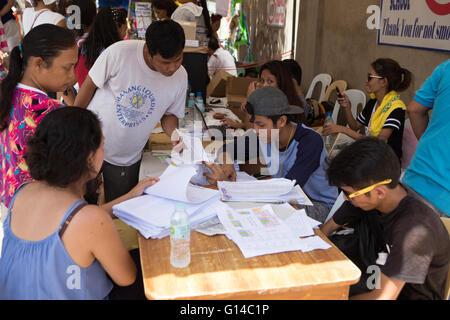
(218, 270)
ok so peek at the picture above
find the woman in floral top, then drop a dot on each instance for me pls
(43, 63)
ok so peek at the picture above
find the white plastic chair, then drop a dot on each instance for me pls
(356, 97)
(325, 79)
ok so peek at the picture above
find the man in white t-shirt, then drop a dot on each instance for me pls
(219, 59)
(132, 86)
(43, 12)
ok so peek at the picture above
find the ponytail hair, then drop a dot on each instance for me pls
(206, 17)
(9, 84)
(407, 79)
(399, 79)
(45, 41)
(103, 33)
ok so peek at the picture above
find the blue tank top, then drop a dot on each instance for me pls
(35, 270)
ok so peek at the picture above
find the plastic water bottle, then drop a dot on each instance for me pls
(199, 102)
(180, 237)
(188, 91)
(189, 114)
(198, 124)
(329, 140)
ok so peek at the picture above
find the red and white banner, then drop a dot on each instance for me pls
(276, 13)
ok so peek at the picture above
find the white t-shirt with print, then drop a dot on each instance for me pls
(222, 60)
(32, 18)
(131, 99)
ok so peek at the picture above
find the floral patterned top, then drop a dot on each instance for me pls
(29, 106)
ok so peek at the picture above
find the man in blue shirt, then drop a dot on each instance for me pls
(428, 174)
(290, 150)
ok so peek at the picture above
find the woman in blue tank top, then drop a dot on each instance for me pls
(55, 246)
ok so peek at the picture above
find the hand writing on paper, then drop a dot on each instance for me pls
(220, 173)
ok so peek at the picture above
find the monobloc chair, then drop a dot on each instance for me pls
(341, 84)
(323, 78)
(356, 97)
(446, 222)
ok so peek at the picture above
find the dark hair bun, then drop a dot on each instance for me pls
(58, 153)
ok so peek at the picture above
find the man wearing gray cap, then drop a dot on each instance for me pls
(290, 150)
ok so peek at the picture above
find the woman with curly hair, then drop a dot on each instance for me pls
(50, 231)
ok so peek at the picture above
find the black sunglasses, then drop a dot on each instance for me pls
(347, 194)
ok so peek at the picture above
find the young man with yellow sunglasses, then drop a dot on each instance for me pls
(397, 239)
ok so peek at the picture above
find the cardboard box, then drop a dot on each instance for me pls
(237, 88)
(217, 87)
(190, 32)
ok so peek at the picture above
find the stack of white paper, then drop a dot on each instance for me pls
(273, 190)
(150, 214)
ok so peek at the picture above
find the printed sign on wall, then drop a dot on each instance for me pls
(276, 13)
(415, 23)
(143, 17)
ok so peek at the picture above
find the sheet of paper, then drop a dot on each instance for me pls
(243, 176)
(193, 151)
(211, 227)
(315, 243)
(261, 189)
(258, 231)
(175, 184)
(299, 223)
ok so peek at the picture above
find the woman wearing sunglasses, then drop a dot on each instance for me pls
(384, 115)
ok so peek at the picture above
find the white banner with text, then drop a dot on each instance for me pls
(415, 23)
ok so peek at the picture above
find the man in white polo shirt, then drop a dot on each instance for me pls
(132, 86)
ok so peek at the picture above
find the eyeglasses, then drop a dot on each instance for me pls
(365, 190)
(370, 76)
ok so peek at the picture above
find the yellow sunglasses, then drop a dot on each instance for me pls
(365, 190)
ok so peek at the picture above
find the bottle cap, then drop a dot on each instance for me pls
(180, 206)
